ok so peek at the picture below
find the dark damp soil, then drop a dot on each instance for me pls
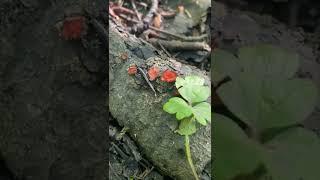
(294, 13)
(52, 95)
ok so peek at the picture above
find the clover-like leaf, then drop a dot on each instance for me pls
(189, 80)
(223, 64)
(192, 89)
(268, 61)
(294, 155)
(269, 103)
(195, 93)
(187, 127)
(202, 112)
(179, 107)
(235, 154)
(263, 96)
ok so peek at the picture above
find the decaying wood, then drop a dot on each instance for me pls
(180, 45)
(135, 107)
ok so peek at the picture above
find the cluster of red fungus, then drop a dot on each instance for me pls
(154, 73)
(73, 27)
(169, 76)
(132, 70)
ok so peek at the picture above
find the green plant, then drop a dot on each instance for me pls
(189, 109)
(271, 104)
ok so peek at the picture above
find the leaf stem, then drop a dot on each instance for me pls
(254, 133)
(188, 152)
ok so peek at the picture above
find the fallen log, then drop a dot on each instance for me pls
(135, 106)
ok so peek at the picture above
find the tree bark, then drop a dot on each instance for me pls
(135, 106)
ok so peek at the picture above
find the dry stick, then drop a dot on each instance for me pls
(144, 163)
(146, 78)
(184, 38)
(149, 16)
(167, 14)
(120, 9)
(118, 150)
(143, 25)
(179, 45)
(164, 49)
(145, 173)
(128, 18)
(112, 170)
(135, 9)
(142, 4)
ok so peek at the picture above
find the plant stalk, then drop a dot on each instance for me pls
(188, 152)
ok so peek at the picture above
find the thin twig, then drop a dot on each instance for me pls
(188, 13)
(145, 173)
(128, 18)
(135, 9)
(168, 14)
(164, 49)
(149, 16)
(174, 56)
(180, 45)
(146, 78)
(142, 4)
(112, 170)
(121, 9)
(143, 25)
(184, 38)
(118, 150)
